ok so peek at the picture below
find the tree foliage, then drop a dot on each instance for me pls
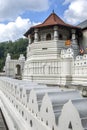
(14, 48)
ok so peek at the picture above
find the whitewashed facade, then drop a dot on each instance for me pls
(14, 68)
(49, 59)
(27, 105)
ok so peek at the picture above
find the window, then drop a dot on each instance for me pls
(39, 37)
(18, 67)
(46, 109)
(44, 48)
(17, 106)
(53, 128)
(70, 125)
(31, 123)
(41, 119)
(22, 113)
(60, 36)
(48, 36)
(46, 122)
(32, 39)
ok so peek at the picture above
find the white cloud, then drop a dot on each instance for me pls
(14, 30)
(10, 9)
(76, 12)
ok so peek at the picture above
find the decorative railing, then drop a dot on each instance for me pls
(40, 107)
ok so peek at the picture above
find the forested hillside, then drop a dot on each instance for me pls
(14, 48)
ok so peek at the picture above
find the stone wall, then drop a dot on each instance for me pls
(14, 67)
(38, 107)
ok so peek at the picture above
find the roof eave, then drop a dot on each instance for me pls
(42, 26)
(84, 28)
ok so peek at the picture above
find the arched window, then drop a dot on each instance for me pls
(31, 123)
(60, 37)
(70, 125)
(48, 36)
(18, 69)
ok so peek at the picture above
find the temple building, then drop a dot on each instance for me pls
(56, 55)
(46, 59)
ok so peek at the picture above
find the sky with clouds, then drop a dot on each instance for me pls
(17, 16)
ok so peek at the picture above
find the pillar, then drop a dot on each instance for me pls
(36, 35)
(75, 43)
(29, 38)
(55, 32)
(73, 34)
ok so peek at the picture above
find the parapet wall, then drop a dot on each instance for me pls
(39, 106)
(77, 66)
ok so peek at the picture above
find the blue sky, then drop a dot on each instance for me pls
(17, 16)
(56, 5)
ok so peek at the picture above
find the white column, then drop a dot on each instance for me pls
(74, 42)
(73, 34)
(29, 38)
(55, 33)
(36, 35)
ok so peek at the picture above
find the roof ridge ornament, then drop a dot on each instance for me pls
(53, 11)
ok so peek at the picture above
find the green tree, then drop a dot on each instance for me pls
(14, 48)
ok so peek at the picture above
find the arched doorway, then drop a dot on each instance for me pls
(18, 68)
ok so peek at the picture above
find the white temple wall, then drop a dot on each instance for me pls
(11, 69)
(29, 118)
(84, 41)
(44, 63)
(42, 70)
(79, 75)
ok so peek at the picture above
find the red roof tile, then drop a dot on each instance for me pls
(52, 19)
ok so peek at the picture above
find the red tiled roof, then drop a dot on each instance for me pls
(53, 19)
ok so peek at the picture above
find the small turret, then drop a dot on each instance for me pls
(8, 57)
(22, 57)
